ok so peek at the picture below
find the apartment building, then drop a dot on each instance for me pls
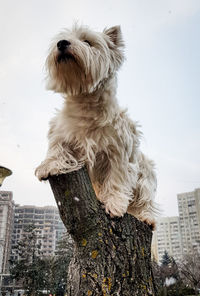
(179, 235)
(47, 222)
(189, 215)
(6, 227)
(168, 237)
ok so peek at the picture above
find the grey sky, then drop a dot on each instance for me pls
(159, 84)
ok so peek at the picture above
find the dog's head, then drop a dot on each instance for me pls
(80, 59)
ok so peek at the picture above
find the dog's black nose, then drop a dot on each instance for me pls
(63, 44)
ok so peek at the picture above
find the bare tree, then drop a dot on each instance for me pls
(190, 270)
(112, 256)
(166, 274)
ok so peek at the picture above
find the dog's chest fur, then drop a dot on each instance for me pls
(95, 132)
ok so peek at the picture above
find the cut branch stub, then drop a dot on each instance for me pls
(112, 255)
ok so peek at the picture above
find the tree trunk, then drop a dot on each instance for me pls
(112, 255)
(196, 290)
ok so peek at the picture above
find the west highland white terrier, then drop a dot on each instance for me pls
(92, 129)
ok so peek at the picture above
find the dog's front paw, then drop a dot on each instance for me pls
(115, 207)
(51, 167)
(46, 169)
(150, 221)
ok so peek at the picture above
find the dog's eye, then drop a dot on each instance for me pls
(88, 42)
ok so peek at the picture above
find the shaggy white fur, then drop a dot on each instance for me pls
(91, 129)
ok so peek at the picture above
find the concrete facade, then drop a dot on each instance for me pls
(6, 227)
(168, 237)
(47, 222)
(189, 215)
(181, 234)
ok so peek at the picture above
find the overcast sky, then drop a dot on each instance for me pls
(158, 83)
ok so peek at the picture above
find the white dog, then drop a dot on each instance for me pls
(91, 129)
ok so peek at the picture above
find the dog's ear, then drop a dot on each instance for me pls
(115, 35)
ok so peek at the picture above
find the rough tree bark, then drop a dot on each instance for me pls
(112, 255)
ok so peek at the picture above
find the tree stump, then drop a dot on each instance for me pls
(112, 256)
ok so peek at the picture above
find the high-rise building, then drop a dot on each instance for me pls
(6, 227)
(48, 226)
(189, 215)
(180, 235)
(168, 237)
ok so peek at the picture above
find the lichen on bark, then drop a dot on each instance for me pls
(112, 256)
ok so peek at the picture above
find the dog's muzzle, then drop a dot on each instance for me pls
(63, 51)
(62, 45)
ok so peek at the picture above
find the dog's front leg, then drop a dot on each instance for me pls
(60, 160)
(111, 184)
